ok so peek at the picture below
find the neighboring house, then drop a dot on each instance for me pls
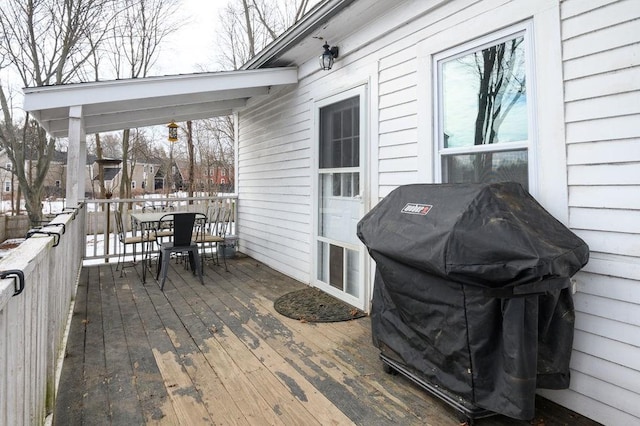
(219, 177)
(54, 181)
(142, 177)
(317, 149)
(216, 176)
(109, 173)
(7, 179)
(173, 180)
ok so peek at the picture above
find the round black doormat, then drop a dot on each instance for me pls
(313, 305)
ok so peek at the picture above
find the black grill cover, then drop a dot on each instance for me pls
(472, 290)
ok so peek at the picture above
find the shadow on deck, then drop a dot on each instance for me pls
(220, 354)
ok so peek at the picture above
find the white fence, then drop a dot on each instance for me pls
(102, 239)
(32, 323)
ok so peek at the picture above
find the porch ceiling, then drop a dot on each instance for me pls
(123, 104)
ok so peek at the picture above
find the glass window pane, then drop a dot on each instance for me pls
(356, 184)
(338, 214)
(347, 153)
(347, 123)
(353, 273)
(339, 134)
(487, 167)
(347, 184)
(336, 266)
(336, 184)
(336, 153)
(356, 122)
(323, 251)
(355, 162)
(484, 96)
(336, 125)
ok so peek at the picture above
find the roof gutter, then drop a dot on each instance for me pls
(310, 22)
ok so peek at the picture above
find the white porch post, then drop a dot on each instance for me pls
(76, 157)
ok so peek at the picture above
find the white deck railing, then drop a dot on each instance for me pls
(102, 239)
(33, 323)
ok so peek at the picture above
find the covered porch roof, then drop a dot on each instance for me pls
(122, 104)
(76, 110)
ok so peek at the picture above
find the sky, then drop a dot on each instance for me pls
(191, 47)
(188, 50)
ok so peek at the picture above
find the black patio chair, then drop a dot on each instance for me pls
(183, 227)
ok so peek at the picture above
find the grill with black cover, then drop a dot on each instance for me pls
(472, 293)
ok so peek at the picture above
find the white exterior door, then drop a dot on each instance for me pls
(339, 255)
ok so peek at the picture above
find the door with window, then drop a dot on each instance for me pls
(339, 257)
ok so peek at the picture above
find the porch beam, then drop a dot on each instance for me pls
(151, 87)
(96, 123)
(177, 98)
(76, 157)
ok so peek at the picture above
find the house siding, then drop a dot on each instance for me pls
(398, 147)
(274, 182)
(601, 62)
(587, 156)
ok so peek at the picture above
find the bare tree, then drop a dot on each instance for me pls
(214, 140)
(249, 25)
(94, 61)
(500, 87)
(44, 42)
(140, 28)
(502, 83)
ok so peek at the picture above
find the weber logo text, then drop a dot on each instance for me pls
(414, 208)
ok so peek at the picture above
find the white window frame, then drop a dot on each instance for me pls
(7, 186)
(133, 184)
(525, 30)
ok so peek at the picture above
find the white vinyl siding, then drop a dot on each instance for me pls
(275, 183)
(601, 61)
(398, 160)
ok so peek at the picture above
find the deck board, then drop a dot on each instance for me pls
(221, 354)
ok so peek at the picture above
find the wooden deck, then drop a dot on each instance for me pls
(220, 354)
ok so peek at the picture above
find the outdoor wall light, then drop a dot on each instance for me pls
(327, 57)
(173, 132)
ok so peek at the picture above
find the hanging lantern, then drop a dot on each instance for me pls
(327, 57)
(173, 132)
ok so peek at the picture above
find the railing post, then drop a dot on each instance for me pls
(107, 234)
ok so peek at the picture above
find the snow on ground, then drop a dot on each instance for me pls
(9, 245)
